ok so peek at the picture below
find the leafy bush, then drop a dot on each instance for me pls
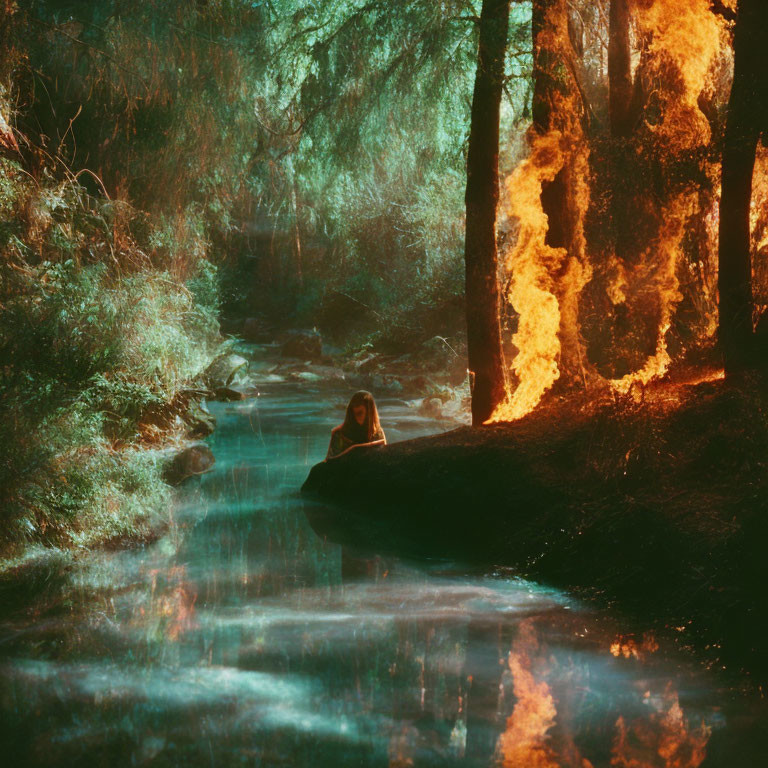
(87, 347)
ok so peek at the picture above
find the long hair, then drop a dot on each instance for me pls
(361, 433)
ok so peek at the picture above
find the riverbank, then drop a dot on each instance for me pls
(108, 316)
(657, 505)
(171, 445)
(423, 368)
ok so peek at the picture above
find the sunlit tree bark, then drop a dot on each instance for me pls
(486, 359)
(747, 113)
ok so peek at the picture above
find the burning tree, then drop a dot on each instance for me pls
(486, 360)
(613, 270)
(747, 119)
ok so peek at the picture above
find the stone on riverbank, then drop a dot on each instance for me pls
(200, 422)
(196, 459)
(222, 371)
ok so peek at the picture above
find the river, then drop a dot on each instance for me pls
(241, 637)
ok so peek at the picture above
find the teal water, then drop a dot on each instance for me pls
(242, 637)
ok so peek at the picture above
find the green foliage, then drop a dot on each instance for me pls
(122, 401)
(94, 334)
(367, 117)
(311, 143)
(204, 285)
(50, 332)
(88, 358)
(182, 159)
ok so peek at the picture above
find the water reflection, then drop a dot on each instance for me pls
(243, 638)
(525, 740)
(662, 736)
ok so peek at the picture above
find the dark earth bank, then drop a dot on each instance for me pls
(654, 503)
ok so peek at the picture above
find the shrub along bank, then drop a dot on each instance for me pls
(101, 333)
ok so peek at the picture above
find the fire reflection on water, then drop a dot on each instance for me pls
(664, 738)
(537, 735)
(171, 605)
(525, 742)
(628, 647)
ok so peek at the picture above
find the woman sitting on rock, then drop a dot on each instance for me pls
(361, 427)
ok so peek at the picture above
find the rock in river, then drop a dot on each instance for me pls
(199, 420)
(304, 345)
(222, 371)
(193, 460)
(228, 395)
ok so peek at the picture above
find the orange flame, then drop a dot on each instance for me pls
(759, 229)
(532, 294)
(686, 40)
(687, 34)
(578, 271)
(658, 269)
(666, 739)
(524, 741)
(546, 282)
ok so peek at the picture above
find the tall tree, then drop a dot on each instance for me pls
(486, 358)
(559, 105)
(619, 69)
(747, 120)
(549, 80)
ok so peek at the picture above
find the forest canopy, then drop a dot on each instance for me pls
(292, 134)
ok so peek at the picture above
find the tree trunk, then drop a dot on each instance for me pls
(619, 69)
(625, 104)
(559, 105)
(297, 233)
(486, 359)
(746, 121)
(554, 195)
(544, 65)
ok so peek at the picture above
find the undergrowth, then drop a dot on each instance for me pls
(100, 323)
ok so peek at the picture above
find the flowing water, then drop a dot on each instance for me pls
(241, 637)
